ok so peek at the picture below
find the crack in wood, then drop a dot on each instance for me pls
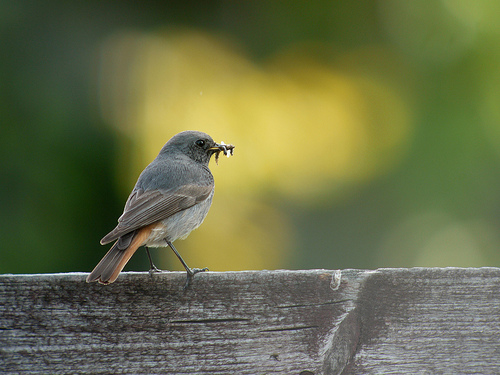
(207, 321)
(299, 328)
(339, 302)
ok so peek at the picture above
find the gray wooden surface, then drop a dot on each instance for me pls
(388, 321)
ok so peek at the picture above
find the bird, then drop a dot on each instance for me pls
(171, 198)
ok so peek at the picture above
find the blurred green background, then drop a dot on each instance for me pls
(367, 132)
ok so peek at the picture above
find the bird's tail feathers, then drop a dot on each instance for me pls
(117, 257)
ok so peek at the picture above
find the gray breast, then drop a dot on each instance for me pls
(179, 225)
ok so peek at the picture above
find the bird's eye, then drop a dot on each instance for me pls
(200, 143)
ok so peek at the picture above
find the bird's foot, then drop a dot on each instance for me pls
(190, 274)
(154, 269)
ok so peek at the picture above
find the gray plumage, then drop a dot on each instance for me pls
(171, 198)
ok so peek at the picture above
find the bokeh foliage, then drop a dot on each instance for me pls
(367, 132)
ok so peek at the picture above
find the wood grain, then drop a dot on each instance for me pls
(388, 321)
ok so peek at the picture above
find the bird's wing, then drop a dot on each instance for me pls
(147, 207)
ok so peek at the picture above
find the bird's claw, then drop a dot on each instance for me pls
(154, 270)
(190, 274)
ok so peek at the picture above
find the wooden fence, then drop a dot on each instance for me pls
(387, 321)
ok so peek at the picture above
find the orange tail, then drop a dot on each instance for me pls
(117, 257)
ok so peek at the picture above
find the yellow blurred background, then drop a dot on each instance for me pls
(366, 133)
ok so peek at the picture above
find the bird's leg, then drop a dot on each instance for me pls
(190, 271)
(152, 267)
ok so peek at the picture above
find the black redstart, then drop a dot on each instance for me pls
(170, 199)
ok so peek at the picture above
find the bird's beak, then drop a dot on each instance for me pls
(222, 147)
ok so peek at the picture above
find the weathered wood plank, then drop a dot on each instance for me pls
(225, 323)
(429, 321)
(417, 321)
